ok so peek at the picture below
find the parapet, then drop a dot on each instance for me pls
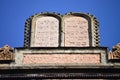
(55, 30)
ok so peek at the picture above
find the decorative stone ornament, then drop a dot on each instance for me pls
(55, 30)
(115, 54)
(6, 53)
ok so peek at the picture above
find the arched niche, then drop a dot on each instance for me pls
(54, 30)
(45, 31)
(76, 30)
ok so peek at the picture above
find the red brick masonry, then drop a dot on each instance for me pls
(60, 58)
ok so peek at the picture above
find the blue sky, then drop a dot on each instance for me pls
(13, 14)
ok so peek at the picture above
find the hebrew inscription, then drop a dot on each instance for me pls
(76, 31)
(60, 58)
(46, 32)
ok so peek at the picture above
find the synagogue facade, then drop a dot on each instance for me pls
(58, 47)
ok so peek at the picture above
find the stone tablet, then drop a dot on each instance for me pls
(69, 30)
(76, 31)
(61, 58)
(46, 32)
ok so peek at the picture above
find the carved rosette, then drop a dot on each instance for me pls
(115, 54)
(6, 53)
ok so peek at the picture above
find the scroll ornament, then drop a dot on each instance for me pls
(6, 53)
(115, 54)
